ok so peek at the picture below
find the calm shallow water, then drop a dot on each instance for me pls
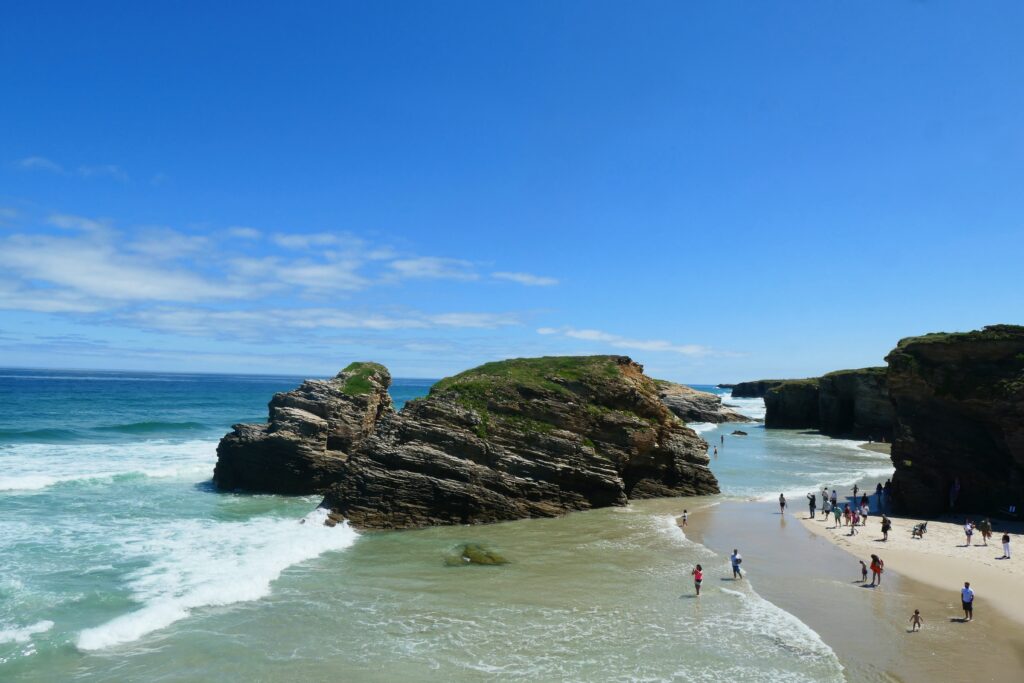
(122, 563)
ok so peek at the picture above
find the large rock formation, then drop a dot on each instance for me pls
(792, 404)
(855, 404)
(691, 405)
(959, 402)
(519, 438)
(756, 389)
(303, 447)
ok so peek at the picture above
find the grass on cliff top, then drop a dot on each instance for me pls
(535, 373)
(359, 381)
(793, 383)
(990, 333)
(879, 370)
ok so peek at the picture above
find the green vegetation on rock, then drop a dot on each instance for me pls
(473, 553)
(358, 381)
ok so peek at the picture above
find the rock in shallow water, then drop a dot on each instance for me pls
(473, 553)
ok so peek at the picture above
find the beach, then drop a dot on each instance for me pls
(795, 566)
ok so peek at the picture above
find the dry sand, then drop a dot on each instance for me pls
(797, 568)
(941, 559)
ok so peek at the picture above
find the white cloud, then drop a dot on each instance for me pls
(39, 164)
(103, 170)
(620, 342)
(7, 215)
(526, 279)
(433, 267)
(317, 240)
(244, 233)
(69, 222)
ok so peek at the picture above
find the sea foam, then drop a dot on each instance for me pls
(25, 633)
(200, 563)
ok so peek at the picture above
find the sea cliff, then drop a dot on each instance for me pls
(532, 437)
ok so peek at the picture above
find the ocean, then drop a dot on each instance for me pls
(121, 562)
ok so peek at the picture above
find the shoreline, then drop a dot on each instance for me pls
(818, 582)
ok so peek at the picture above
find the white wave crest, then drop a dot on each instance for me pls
(199, 563)
(25, 633)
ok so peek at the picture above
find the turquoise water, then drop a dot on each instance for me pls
(121, 562)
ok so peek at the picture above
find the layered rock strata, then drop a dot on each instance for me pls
(792, 404)
(520, 438)
(959, 436)
(691, 405)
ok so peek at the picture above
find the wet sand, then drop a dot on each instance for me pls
(818, 582)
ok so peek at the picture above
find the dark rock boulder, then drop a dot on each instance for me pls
(855, 404)
(959, 404)
(303, 446)
(792, 404)
(755, 389)
(690, 405)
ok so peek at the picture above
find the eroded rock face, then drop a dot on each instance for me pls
(959, 405)
(304, 445)
(792, 404)
(755, 389)
(856, 404)
(522, 438)
(691, 405)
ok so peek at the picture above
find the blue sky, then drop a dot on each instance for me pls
(723, 191)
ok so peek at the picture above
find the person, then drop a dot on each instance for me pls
(824, 495)
(855, 489)
(782, 504)
(863, 572)
(877, 567)
(826, 507)
(837, 513)
(916, 621)
(698, 576)
(735, 559)
(886, 525)
(723, 439)
(686, 516)
(1006, 547)
(864, 510)
(968, 530)
(834, 498)
(985, 527)
(967, 599)
(887, 494)
(716, 451)
(812, 503)
(864, 502)
(846, 514)
(854, 520)
(878, 494)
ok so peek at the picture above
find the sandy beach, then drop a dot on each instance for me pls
(807, 569)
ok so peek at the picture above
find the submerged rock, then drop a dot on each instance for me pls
(959, 405)
(531, 437)
(691, 405)
(473, 553)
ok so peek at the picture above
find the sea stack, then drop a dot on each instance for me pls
(959, 437)
(532, 437)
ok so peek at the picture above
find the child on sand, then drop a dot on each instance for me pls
(863, 572)
(855, 519)
(698, 576)
(916, 621)
(968, 531)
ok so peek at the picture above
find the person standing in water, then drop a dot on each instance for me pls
(916, 621)
(967, 600)
(782, 504)
(735, 560)
(723, 439)
(685, 516)
(698, 577)
(716, 451)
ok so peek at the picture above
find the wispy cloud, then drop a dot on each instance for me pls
(435, 268)
(68, 222)
(620, 342)
(103, 171)
(526, 279)
(244, 233)
(39, 164)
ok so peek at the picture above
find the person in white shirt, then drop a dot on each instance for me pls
(967, 598)
(735, 559)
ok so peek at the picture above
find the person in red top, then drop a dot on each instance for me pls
(698, 576)
(876, 569)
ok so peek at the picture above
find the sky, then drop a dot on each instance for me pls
(722, 191)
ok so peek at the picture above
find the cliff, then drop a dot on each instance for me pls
(691, 405)
(520, 438)
(855, 404)
(959, 404)
(755, 389)
(792, 404)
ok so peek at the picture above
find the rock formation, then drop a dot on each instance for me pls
(855, 404)
(519, 438)
(959, 404)
(690, 405)
(755, 389)
(792, 404)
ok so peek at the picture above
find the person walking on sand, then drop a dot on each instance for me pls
(837, 513)
(782, 504)
(854, 519)
(886, 525)
(967, 600)
(863, 572)
(846, 514)
(916, 621)
(698, 577)
(985, 527)
(877, 567)
(835, 498)
(735, 560)
(1006, 547)
(968, 531)
(826, 507)
(812, 503)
